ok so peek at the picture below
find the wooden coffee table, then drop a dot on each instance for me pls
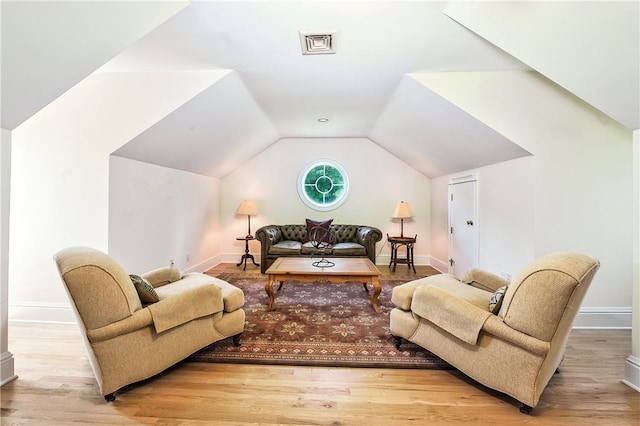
(345, 269)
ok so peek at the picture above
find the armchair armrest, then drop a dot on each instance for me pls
(162, 276)
(484, 280)
(495, 326)
(140, 319)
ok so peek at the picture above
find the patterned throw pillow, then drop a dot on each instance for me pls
(496, 300)
(313, 223)
(145, 290)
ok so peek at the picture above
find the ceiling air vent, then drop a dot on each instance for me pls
(318, 42)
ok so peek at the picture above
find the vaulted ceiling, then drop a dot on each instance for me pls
(373, 86)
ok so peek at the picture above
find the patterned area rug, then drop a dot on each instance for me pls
(318, 324)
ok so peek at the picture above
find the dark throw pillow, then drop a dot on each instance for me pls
(496, 300)
(145, 290)
(314, 223)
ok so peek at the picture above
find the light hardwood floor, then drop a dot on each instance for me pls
(56, 387)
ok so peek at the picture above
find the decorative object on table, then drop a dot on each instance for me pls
(396, 243)
(247, 208)
(246, 256)
(403, 211)
(322, 240)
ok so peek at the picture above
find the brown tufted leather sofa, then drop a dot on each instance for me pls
(290, 240)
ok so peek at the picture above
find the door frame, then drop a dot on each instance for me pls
(471, 177)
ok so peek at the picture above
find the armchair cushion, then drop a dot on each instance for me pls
(452, 313)
(232, 297)
(186, 306)
(145, 290)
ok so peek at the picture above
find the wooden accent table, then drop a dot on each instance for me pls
(345, 269)
(397, 242)
(246, 256)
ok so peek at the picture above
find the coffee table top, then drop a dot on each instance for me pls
(352, 266)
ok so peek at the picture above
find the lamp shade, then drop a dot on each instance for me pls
(403, 211)
(247, 208)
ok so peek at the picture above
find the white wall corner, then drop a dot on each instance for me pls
(632, 373)
(440, 265)
(208, 264)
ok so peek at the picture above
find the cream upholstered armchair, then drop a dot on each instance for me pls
(132, 332)
(514, 344)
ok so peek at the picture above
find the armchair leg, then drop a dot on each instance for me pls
(110, 397)
(525, 409)
(397, 341)
(236, 339)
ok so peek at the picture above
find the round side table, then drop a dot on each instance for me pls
(397, 242)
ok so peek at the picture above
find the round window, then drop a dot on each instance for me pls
(323, 185)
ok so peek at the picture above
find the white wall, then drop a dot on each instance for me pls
(60, 175)
(379, 181)
(582, 174)
(157, 214)
(505, 215)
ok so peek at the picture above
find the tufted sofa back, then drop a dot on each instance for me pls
(343, 233)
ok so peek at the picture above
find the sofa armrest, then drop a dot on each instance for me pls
(484, 280)
(162, 276)
(495, 326)
(140, 319)
(368, 236)
(269, 235)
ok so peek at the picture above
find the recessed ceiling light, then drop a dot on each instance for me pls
(318, 42)
(323, 120)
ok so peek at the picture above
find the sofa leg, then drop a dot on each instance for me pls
(110, 397)
(236, 339)
(525, 409)
(397, 341)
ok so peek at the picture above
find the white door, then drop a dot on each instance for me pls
(463, 227)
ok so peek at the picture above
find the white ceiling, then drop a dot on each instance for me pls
(269, 90)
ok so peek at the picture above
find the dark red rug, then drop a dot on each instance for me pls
(318, 324)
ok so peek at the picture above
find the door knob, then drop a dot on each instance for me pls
(470, 222)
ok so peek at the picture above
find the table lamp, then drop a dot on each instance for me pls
(402, 212)
(247, 208)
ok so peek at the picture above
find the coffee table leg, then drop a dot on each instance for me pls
(268, 287)
(377, 289)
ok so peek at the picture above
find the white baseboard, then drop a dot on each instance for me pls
(588, 318)
(632, 373)
(7, 369)
(204, 266)
(42, 312)
(613, 318)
